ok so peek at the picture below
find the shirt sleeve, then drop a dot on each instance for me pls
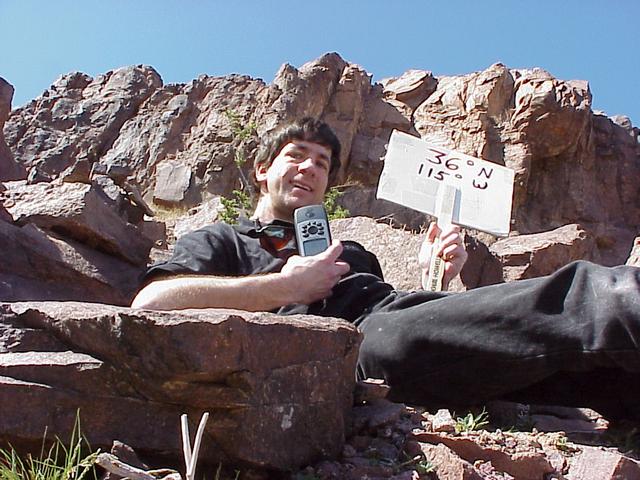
(204, 251)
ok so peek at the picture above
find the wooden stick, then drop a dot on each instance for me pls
(196, 445)
(191, 457)
(186, 445)
(444, 212)
(112, 464)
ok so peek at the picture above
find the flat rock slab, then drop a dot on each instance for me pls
(266, 380)
(79, 211)
(38, 265)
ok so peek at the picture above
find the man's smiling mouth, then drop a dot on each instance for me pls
(302, 187)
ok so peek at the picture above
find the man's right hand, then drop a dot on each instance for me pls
(311, 278)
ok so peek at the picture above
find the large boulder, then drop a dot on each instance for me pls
(40, 265)
(79, 211)
(279, 389)
(397, 251)
(535, 255)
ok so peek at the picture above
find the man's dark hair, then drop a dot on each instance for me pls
(307, 129)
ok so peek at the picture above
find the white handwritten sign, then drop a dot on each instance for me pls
(415, 171)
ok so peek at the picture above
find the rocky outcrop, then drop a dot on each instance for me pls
(391, 441)
(279, 390)
(9, 168)
(95, 155)
(78, 117)
(530, 256)
(79, 211)
(572, 166)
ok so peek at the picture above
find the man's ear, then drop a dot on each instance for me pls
(261, 172)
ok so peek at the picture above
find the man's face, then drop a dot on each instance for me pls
(297, 177)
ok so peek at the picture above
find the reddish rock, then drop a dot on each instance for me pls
(370, 390)
(78, 116)
(551, 423)
(411, 88)
(551, 114)
(42, 266)
(535, 255)
(465, 111)
(361, 201)
(302, 92)
(345, 111)
(172, 182)
(97, 358)
(448, 465)
(488, 471)
(376, 414)
(442, 421)
(197, 217)
(4, 215)
(189, 125)
(78, 211)
(368, 148)
(517, 455)
(526, 119)
(9, 168)
(359, 468)
(482, 266)
(599, 464)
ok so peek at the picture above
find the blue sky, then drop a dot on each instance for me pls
(595, 40)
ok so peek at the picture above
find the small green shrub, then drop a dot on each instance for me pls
(420, 463)
(240, 131)
(472, 422)
(425, 467)
(241, 134)
(232, 207)
(334, 211)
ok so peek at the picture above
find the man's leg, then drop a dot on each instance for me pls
(512, 340)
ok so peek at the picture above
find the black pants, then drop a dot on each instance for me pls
(571, 338)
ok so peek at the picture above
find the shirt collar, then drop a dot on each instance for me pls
(255, 229)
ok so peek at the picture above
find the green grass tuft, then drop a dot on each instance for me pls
(58, 463)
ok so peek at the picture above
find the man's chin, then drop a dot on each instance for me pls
(298, 201)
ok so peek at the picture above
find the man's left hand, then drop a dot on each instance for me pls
(450, 248)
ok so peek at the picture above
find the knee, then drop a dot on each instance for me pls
(380, 354)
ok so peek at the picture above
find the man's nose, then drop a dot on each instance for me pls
(306, 165)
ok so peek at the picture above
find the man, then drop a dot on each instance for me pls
(571, 338)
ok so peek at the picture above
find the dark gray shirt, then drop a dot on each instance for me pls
(225, 250)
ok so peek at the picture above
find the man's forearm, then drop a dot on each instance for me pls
(253, 293)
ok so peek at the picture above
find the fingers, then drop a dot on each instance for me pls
(450, 241)
(334, 251)
(433, 232)
(342, 268)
